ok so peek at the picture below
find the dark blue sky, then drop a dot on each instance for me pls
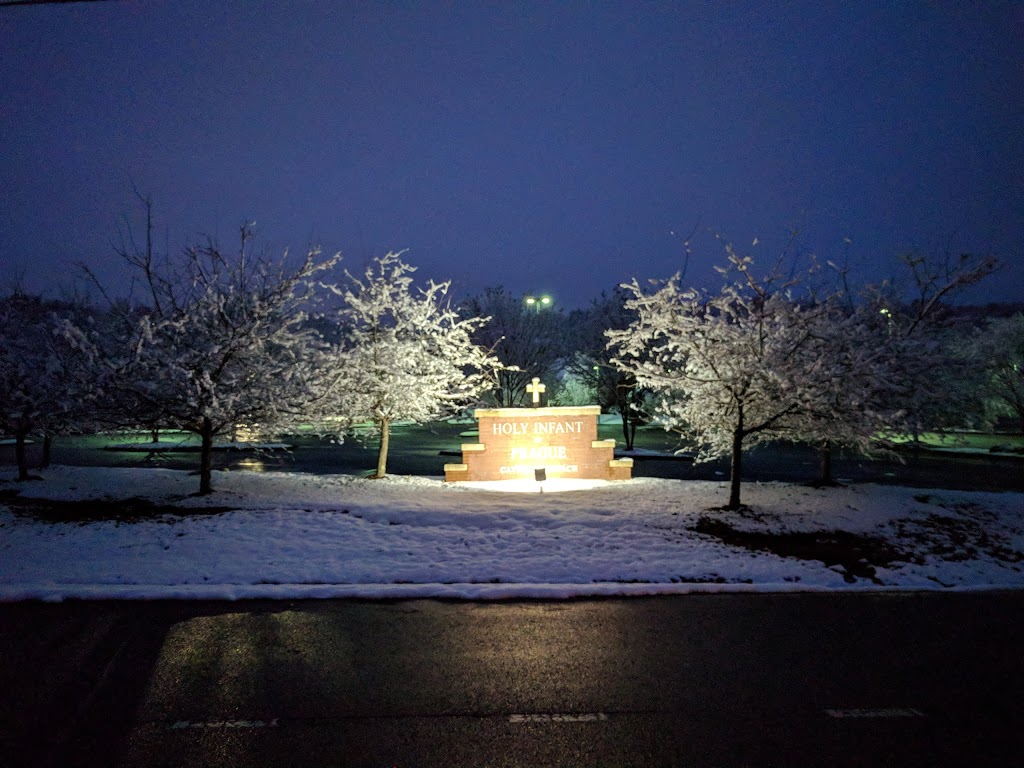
(549, 146)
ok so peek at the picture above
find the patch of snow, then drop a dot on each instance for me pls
(296, 535)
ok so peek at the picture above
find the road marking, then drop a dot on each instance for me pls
(888, 712)
(585, 717)
(224, 724)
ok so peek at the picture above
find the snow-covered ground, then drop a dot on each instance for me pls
(291, 535)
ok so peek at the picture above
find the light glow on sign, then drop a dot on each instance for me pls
(528, 469)
(529, 485)
(539, 452)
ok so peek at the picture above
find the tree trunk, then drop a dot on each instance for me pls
(736, 464)
(206, 458)
(155, 435)
(382, 455)
(19, 451)
(47, 444)
(628, 414)
(825, 465)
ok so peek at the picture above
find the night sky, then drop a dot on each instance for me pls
(544, 147)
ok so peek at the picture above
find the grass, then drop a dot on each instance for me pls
(855, 554)
(95, 510)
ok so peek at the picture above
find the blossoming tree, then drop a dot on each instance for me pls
(406, 354)
(221, 343)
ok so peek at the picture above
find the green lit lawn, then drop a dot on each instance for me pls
(440, 435)
(981, 441)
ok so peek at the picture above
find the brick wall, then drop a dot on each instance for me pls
(514, 442)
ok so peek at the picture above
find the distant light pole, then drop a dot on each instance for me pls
(537, 303)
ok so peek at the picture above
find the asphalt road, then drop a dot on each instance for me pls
(799, 679)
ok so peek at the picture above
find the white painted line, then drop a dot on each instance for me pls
(224, 724)
(888, 712)
(585, 717)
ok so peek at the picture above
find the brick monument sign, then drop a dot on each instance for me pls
(517, 442)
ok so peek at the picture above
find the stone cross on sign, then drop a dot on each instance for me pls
(536, 389)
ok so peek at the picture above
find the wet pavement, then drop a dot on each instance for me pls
(837, 679)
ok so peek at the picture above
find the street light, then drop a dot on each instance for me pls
(537, 303)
